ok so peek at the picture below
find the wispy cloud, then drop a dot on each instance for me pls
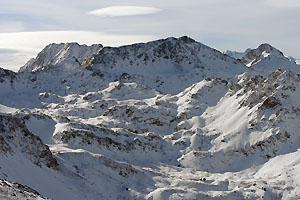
(118, 11)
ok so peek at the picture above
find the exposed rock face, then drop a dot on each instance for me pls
(16, 191)
(7, 75)
(16, 138)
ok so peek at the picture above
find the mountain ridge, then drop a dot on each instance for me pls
(53, 54)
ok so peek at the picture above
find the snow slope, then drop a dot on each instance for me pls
(167, 119)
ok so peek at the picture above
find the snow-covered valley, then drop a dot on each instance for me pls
(167, 119)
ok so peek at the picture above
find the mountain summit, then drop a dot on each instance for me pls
(263, 52)
(54, 54)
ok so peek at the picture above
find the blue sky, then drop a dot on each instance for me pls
(27, 26)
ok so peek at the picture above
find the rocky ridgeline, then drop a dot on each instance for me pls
(14, 191)
(262, 52)
(6, 75)
(16, 138)
(163, 63)
(177, 50)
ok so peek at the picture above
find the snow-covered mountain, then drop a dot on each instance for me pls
(54, 54)
(167, 119)
(169, 65)
(267, 58)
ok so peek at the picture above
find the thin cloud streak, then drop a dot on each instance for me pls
(118, 11)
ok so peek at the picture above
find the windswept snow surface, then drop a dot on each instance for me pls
(168, 119)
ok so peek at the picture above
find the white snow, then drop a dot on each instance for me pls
(265, 54)
(6, 109)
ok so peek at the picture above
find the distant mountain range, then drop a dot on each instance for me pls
(166, 119)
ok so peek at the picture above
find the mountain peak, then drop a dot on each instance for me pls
(264, 51)
(266, 46)
(54, 54)
(270, 50)
(187, 39)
